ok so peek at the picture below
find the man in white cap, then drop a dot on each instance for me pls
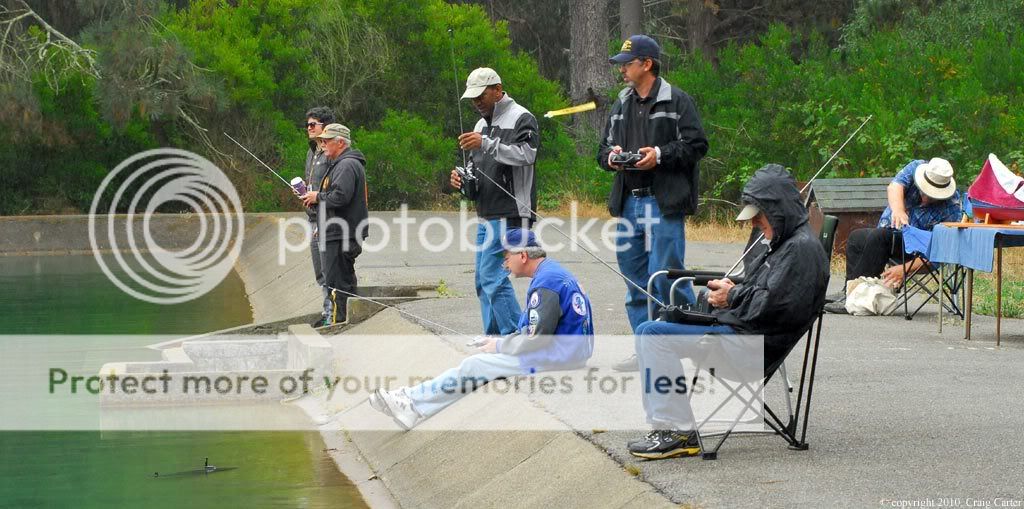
(503, 148)
(922, 195)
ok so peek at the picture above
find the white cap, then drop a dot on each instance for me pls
(748, 213)
(478, 80)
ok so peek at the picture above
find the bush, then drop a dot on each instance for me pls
(408, 160)
(793, 101)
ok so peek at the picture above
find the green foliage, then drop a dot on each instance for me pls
(792, 100)
(64, 150)
(179, 74)
(408, 160)
(426, 86)
(940, 77)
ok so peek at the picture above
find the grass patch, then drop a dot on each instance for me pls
(1013, 287)
(715, 230)
(633, 470)
(444, 291)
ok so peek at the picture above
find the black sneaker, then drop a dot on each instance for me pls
(666, 443)
(836, 297)
(319, 322)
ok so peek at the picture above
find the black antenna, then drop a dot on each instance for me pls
(455, 76)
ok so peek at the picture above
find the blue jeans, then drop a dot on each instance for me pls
(432, 396)
(659, 348)
(498, 305)
(666, 236)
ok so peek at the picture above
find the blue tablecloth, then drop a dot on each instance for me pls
(970, 247)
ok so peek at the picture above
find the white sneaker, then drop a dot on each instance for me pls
(398, 405)
(377, 402)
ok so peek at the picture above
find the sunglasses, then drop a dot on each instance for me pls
(311, 125)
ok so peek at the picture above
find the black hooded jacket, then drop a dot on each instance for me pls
(342, 198)
(785, 286)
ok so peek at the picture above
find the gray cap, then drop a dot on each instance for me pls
(478, 80)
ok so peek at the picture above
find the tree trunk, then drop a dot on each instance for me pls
(700, 24)
(589, 72)
(631, 15)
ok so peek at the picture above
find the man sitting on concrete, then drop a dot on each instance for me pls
(781, 293)
(555, 332)
(921, 195)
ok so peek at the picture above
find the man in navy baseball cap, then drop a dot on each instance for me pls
(659, 122)
(637, 46)
(555, 332)
(518, 239)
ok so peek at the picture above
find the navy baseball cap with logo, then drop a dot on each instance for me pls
(518, 239)
(637, 46)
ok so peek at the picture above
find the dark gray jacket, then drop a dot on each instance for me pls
(507, 156)
(784, 287)
(313, 174)
(343, 196)
(674, 127)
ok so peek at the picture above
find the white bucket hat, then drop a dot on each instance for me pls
(935, 179)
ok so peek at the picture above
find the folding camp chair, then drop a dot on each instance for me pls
(777, 348)
(942, 283)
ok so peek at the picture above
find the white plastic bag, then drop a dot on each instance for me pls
(868, 296)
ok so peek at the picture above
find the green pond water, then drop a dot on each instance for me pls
(70, 295)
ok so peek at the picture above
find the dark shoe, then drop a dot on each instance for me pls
(319, 322)
(838, 307)
(628, 364)
(836, 297)
(666, 443)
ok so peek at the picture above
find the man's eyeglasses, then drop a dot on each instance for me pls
(631, 62)
(311, 125)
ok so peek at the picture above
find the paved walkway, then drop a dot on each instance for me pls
(901, 412)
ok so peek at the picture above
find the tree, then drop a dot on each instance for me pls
(700, 24)
(631, 14)
(590, 77)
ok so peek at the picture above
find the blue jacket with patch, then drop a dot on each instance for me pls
(556, 330)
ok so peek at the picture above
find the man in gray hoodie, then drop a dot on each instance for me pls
(341, 217)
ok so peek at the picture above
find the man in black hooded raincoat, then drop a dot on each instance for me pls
(782, 292)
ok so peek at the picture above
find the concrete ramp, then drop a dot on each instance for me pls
(437, 465)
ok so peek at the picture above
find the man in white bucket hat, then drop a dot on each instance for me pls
(921, 195)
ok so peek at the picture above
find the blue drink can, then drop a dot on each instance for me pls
(299, 185)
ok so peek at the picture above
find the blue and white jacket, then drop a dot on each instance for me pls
(556, 330)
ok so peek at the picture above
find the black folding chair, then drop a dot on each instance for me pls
(776, 349)
(942, 283)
